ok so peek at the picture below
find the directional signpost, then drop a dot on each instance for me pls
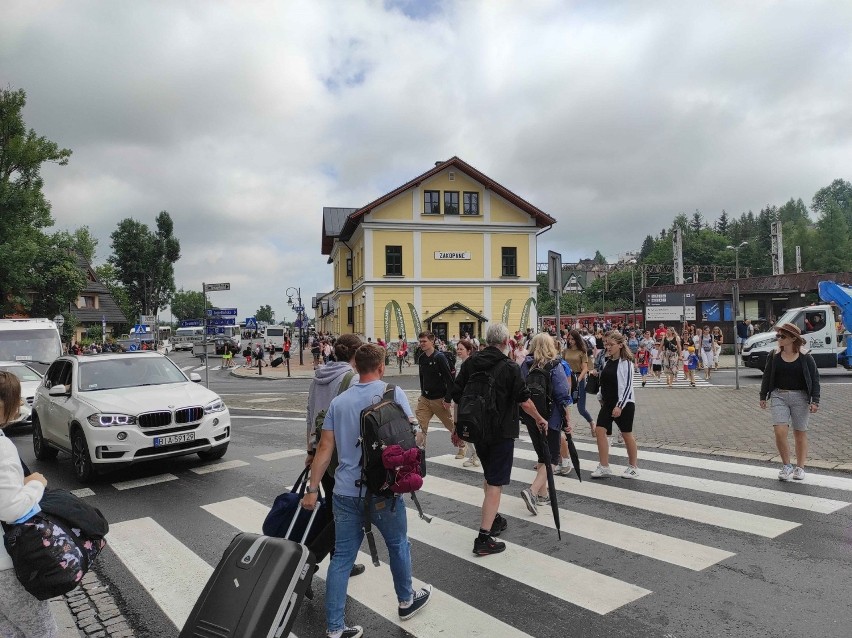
(207, 313)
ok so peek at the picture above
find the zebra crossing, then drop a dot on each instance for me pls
(674, 527)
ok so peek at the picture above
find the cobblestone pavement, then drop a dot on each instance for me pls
(95, 612)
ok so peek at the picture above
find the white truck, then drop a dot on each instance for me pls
(275, 337)
(33, 341)
(186, 338)
(818, 324)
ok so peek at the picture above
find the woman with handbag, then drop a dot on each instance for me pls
(577, 356)
(21, 614)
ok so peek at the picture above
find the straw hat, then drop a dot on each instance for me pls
(793, 331)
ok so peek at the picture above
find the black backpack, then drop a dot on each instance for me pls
(541, 391)
(383, 424)
(479, 421)
(451, 359)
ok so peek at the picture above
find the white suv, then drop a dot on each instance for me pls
(110, 410)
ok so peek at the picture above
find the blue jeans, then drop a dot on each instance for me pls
(388, 516)
(581, 402)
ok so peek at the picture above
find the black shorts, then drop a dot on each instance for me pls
(624, 422)
(657, 367)
(286, 354)
(554, 442)
(496, 459)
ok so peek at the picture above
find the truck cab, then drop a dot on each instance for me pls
(819, 329)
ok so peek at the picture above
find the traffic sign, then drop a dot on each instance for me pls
(298, 323)
(190, 323)
(214, 287)
(59, 320)
(298, 308)
(148, 320)
(221, 312)
(220, 321)
(251, 322)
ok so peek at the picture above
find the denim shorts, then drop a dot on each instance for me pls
(790, 407)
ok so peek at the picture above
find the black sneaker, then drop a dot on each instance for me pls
(357, 570)
(352, 632)
(421, 599)
(488, 546)
(499, 525)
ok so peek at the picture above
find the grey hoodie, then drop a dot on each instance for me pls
(323, 389)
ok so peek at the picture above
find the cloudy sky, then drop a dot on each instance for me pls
(243, 119)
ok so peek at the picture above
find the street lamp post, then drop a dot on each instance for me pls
(632, 263)
(736, 250)
(299, 308)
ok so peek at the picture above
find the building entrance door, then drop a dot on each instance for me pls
(440, 330)
(466, 327)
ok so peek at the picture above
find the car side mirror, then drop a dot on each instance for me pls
(58, 391)
(828, 339)
(195, 377)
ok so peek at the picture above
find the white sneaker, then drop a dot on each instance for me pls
(786, 473)
(620, 439)
(471, 462)
(602, 472)
(630, 472)
(799, 474)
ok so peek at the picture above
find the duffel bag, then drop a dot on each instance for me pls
(288, 519)
(50, 556)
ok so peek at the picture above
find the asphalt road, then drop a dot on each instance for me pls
(671, 554)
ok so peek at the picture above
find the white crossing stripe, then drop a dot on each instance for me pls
(185, 368)
(263, 400)
(632, 539)
(142, 482)
(284, 454)
(227, 465)
(374, 588)
(680, 381)
(574, 584)
(83, 492)
(268, 418)
(727, 467)
(723, 488)
(168, 570)
(698, 512)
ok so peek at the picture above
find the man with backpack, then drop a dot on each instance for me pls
(436, 385)
(489, 390)
(356, 507)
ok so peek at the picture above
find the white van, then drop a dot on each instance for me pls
(185, 338)
(30, 340)
(275, 337)
(818, 326)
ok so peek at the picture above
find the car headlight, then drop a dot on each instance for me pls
(214, 406)
(761, 344)
(105, 420)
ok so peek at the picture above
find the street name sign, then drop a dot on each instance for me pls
(215, 287)
(221, 321)
(221, 312)
(190, 323)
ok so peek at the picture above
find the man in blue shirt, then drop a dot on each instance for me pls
(341, 430)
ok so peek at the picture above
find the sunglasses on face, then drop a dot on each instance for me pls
(781, 335)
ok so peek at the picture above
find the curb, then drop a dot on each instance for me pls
(65, 622)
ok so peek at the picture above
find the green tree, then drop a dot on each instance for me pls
(39, 274)
(697, 221)
(145, 261)
(647, 247)
(599, 258)
(264, 313)
(722, 224)
(833, 241)
(82, 241)
(188, 304)
(838, 193)
(545, 302)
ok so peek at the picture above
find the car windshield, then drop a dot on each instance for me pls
(22, 372)
(30, 345)
(127, 372)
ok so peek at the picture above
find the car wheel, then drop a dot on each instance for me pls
(83, 468)
(213, 453)
(42, 451)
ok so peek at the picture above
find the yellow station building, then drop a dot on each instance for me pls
(451, 250)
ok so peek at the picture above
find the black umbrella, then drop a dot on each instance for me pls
(551, 483)
(575, 458)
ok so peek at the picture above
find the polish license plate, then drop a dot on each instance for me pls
(174, 438)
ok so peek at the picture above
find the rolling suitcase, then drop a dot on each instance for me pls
(277, 361)
(254, 592)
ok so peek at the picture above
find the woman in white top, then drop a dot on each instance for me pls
(21, 614)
